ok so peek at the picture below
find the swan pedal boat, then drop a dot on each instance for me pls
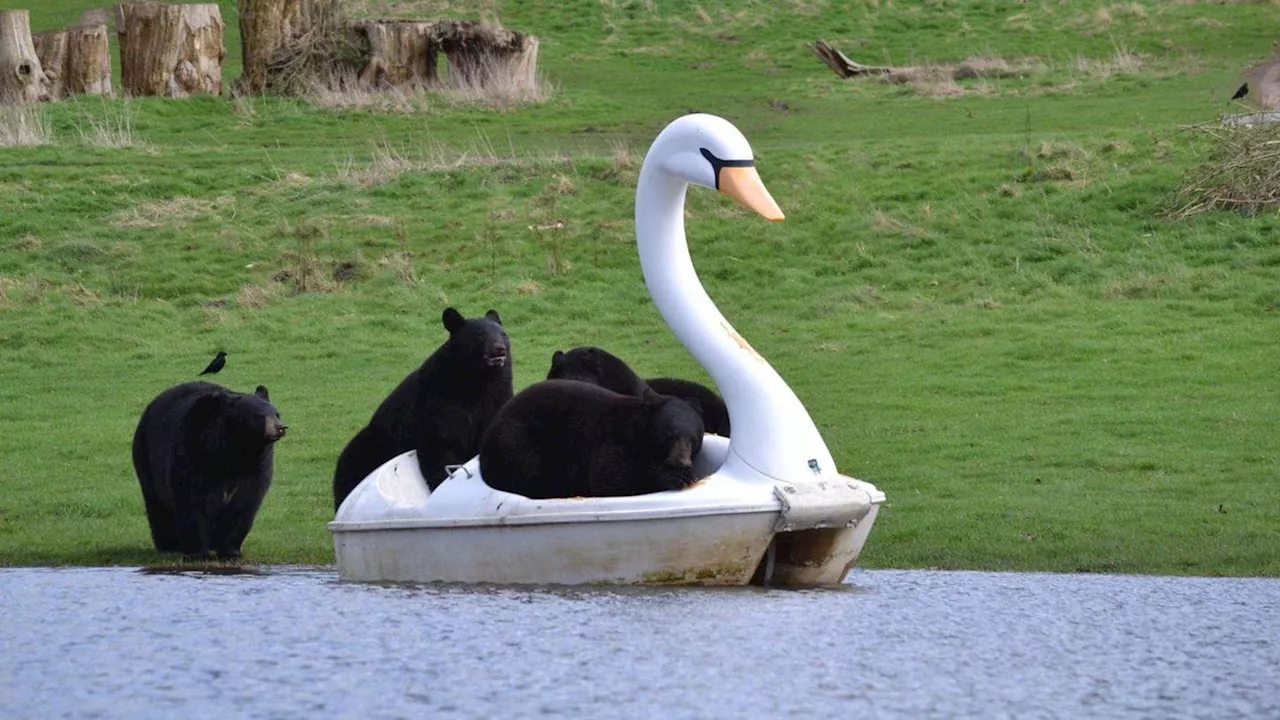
(770, 509)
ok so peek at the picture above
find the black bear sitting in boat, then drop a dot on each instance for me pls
(204, 458)
(564, 438)
(598, 367)
(441, 409)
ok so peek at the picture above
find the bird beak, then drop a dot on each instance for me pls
(744, 185)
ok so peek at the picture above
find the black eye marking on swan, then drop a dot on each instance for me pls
(717, 164)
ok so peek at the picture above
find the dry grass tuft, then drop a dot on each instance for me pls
(528, 288)
(1241, 174)
(1122, 62)
(889, 225)
(343, 90)
(257, 297)
(171, 213)
(386, 165)
(25, 125)
(28, 243)
(562, 186)
(497, 86)
(400, 265)
(110, 125)
(944, 87)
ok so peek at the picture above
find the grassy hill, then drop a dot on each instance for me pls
(978, 292)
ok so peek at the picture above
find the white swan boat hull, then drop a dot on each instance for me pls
(720, 532)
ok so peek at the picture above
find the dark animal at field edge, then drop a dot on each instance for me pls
(600, 367)
(441, 409)
(204, 459)
(1243, 91)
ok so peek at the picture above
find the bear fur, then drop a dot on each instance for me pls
(598, 367)
(565, 438)
(441, 409)
(204, 457)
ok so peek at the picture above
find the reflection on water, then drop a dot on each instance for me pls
(275, 642)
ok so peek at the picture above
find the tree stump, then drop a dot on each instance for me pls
(77, 60)
(22, 77)
(484, 56)
(266, 26)
(170, 50)
(400, 53)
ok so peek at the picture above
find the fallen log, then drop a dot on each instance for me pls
(843, 66)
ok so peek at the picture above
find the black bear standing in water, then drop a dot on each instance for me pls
(204, 458)
(594, 365)
(565, 438)
(441, 410)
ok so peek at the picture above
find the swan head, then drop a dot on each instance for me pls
(709, 151)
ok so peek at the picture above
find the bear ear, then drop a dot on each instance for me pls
(493, 315)
(261, 391)
(557, 359)
(452, 320)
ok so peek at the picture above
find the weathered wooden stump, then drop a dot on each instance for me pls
(22, 77)
(170, 50)
(266, 27)
(401, 52)
(484, 56)
(77, 60)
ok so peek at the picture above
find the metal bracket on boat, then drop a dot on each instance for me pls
(820, 504)
(451, 469)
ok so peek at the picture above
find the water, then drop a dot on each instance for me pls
(122, 643)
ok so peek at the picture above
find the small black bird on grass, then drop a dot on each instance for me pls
(1244, 90)
(216, 364)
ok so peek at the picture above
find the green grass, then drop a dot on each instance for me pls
(978, 298)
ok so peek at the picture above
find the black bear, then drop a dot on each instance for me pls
(565, 438)
(441, 410)
(598, 367)
(204, 457)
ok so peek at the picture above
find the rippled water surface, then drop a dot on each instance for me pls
(291, 642)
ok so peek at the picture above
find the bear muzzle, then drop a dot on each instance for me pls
(680, 454)
(275, 430)
(496, 357)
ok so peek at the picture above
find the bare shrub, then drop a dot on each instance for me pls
(303, 267)
(25, 125)
(326, 47)
(1242, 173)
